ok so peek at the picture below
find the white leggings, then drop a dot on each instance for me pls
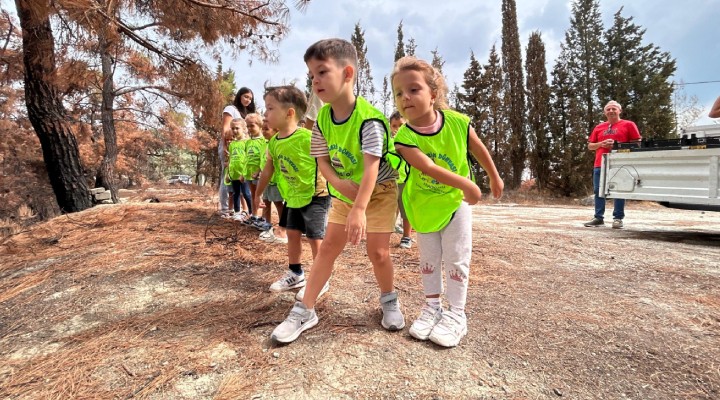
(452, 244)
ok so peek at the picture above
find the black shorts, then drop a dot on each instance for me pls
(310, 220)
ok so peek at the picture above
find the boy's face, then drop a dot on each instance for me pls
(254, 128)
(266, 130)
(275, 114)
(395, 124)
(329, 78)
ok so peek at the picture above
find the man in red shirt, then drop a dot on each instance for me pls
(601, 141)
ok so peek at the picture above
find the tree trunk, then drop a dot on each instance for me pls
(46, 111)
(106, 172)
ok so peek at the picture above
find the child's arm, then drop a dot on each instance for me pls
(356, 221)
(346, 187)
(481, 153)
(417, 159)
(265, 175)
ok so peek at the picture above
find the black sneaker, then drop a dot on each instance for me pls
(595, 222)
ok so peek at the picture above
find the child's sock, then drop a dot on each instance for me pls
(458, 310)
(296, 268)
(433, 302)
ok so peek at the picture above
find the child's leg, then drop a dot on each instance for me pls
(267, 212)
(378, 250)
(406, 227)
(456, 251)
(330, 249)
(246, 196)
(252, 196)
(236, 195)
(430, 247)
(279, 230)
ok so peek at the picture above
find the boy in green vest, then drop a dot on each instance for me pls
(350, 140)
(301, 185)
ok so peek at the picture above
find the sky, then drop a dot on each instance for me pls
(457, 27)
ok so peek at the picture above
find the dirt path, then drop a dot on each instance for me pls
(167, 301)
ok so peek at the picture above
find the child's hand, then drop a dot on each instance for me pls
(472, 193)
(256, 175)
(348, 188)
(497, 186)
(355, 225)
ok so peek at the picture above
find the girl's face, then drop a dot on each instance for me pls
(238, 133)
(414, 98)
(254, 127)
(246, 99)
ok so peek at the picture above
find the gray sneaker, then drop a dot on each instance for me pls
(301, 294)
(429, 317)
(299, 320)
(595, 222)
(617, 224)
(451, 328)
(393, 319)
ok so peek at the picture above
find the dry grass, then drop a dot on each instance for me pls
(166, 300)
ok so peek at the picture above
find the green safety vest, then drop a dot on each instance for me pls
(255, 149)
(295, 168)
(345, 142)
(429, 204)
(236, 162)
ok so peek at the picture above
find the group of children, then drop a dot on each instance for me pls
(340, 183)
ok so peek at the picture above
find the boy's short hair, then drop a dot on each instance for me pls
(395, 115)
(289, 97)
(340, 50)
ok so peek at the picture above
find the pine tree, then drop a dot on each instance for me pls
(410, 47)
(514, 91)
(400, 47)
(387, 98)
(538, 97)
(638, 77)
(494, 129)
(584, 49)
(364, 83)
(473, 98)
(437, 60)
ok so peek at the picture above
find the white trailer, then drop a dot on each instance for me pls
(677, 173)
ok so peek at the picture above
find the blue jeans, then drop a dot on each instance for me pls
(618, 207)
(244, 189)
(223, 192)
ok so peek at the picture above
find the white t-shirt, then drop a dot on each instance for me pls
(234, 113)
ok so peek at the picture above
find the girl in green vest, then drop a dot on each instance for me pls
(438, 193)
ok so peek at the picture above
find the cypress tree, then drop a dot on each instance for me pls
(538, 98)
(400, 47)
(364, 84)
(514, 91)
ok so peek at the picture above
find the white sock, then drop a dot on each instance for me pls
(433, 302)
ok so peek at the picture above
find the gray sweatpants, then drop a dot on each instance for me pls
(452, 244)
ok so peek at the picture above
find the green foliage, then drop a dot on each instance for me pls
(514, 96)
(538, 117)
(637, 75)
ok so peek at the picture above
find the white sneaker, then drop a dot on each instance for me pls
(299, 296)
(267, 235)
(299, 320)
(424, 324)
(451, 328)
(405, 242)
(290, 281)
(278, 240)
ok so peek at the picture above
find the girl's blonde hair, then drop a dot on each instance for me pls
(257, 118)
(433, 78)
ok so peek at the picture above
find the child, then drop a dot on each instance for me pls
(435, 143)
(255, 149)
(271, 195)
(349, 140)
(302, 187)
(236, 163)
(396, 121)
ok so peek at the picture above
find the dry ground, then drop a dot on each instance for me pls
(167, 301)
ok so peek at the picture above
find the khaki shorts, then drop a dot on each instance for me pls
(381, 211)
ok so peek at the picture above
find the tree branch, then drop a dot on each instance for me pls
(233, 9)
